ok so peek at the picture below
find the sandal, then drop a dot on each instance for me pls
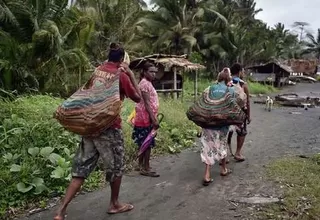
(125, 208)
(239, 159)
(149, 173)
(226, 173)
(206, 182)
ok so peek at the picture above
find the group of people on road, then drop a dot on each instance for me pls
(109, 145)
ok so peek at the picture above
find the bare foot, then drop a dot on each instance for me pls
(60, 216)
(120, 209)
(225, 172)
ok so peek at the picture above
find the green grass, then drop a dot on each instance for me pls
(300, 179)
(257, 88)
(37, 152)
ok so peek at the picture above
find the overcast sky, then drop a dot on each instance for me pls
(289, 11)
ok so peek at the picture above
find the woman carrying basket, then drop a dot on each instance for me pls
(146, 117)
(214, 138)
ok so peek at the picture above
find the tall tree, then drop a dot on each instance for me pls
(313, 44)
(44, 42)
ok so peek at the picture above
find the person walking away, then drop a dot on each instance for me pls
(109, 145)
(237, 77)
(214, 139)
(146, 117)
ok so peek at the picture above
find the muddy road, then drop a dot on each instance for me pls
(178, 193)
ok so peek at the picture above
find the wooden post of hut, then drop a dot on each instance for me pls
(175, 96)
(195, 85)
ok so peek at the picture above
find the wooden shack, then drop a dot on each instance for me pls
(272, 73)
(171, 69)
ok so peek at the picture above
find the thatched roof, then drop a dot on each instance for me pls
(167, 61)
(284, 67)
(303, 66)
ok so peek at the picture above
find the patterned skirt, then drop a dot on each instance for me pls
(214, 144)
(139, 134)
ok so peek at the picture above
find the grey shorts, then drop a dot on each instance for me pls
(109, 146)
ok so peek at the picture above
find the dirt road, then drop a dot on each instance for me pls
(178, 193)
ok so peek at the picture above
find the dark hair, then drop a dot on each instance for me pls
(235, 69)
(116, 53)
(145, 68)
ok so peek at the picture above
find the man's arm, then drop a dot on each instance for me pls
(246, 91)
(134, 83)
(146, 99)
(130, 87)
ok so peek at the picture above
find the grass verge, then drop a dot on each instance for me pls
(299, 177)
(257, 88)
(37, 152)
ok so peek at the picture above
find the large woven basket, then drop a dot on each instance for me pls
(94, 107)
(209, 111)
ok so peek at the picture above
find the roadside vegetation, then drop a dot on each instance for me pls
(299, 178)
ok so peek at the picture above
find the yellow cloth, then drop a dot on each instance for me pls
(131, 117)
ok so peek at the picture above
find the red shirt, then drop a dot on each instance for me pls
(126, 87)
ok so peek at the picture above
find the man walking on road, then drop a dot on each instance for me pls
(109, 145)
(237, 76)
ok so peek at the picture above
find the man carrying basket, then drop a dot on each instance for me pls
(109, 144)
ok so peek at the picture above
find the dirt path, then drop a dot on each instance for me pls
(178, 193)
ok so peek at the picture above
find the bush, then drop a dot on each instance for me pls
(37, 151)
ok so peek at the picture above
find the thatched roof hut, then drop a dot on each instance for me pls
(169, 78)
(168, 61)
(274, 72)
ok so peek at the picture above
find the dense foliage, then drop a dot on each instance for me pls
(50, 45)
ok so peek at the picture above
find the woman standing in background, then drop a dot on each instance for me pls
(146, 117)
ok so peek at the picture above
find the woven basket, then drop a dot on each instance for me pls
(94, 107)
(208, 111)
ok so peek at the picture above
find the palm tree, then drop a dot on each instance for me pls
(170, 27)
(173, 26)
(45, 38)
(313, 44)
(301, 26)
